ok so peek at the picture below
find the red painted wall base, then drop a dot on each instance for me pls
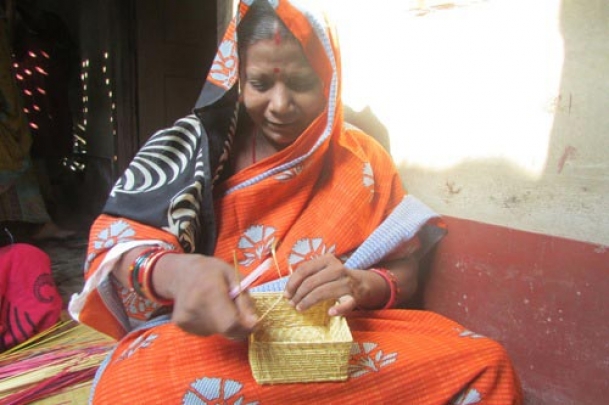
(546, 299)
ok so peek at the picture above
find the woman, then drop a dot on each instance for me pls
(288, 177)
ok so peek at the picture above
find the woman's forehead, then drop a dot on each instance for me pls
(270, 54)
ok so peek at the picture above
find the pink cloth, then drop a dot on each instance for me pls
(29, 299)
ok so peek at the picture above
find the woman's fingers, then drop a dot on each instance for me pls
(305, 273)
(202, 302)
(323, 278)
(327, 291)
(344, 305)
(247, 310)
(205, 311)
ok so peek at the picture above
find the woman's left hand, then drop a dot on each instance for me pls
(324, 278)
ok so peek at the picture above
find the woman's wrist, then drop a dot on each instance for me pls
(372, 292)
(392, 283)
(122, 271)
(163, 277)
(141, 272)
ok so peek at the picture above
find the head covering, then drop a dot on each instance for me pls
(169, 183)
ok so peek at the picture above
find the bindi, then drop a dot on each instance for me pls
(277, 38)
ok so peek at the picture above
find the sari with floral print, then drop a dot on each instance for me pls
(334, 190)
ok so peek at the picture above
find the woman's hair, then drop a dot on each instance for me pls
(261, 23)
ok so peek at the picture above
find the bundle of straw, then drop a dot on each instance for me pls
(54, 367)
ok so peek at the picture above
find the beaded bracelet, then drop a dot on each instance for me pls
(392, 282)
(146, 279)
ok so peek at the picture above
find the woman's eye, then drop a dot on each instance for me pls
(303, 84)
(260, 85)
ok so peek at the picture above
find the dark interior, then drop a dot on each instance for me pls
(111, 73)
(129, 68)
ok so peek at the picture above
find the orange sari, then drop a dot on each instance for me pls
(335, 190)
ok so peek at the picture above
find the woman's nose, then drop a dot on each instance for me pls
(280, 99)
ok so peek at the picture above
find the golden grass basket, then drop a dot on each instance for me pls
(290, 346)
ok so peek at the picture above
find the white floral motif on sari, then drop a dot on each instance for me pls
(368, 177)
(470, 334)
(223, 71)
(110, 236)
(208, 391)
(290, 173)
(118, 231)
(141, 342)
(365, 358)
(470, 396)
(135, 306)
(307, 249)
(255, 244)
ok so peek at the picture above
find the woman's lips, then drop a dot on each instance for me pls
(279, 125)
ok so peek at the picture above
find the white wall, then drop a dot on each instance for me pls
(497, 110)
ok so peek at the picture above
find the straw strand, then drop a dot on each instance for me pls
(60, 359)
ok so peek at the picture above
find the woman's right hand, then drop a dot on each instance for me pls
(200, 286)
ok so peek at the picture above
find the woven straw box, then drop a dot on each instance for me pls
(290, 346)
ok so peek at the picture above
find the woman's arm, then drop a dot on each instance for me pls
(199, 286)
(375, 291)
(327, 278)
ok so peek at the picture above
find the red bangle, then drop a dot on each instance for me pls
(392, 282)
(136, 266)
(146, 279)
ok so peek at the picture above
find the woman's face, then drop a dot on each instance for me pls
(281, 92)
